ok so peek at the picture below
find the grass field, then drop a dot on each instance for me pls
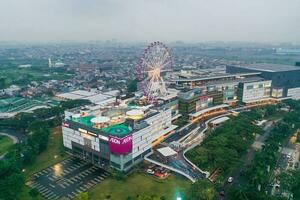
(23, 76)
(5, 144)
(140, 184)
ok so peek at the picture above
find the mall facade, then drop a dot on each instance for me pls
(117, 138)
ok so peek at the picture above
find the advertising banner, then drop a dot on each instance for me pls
(120, 145)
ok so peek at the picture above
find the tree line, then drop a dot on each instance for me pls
(37, 126)
(225, 146)
(258, 175)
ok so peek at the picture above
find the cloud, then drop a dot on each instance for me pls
(146, 20)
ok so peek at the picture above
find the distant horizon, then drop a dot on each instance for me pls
(112, 41)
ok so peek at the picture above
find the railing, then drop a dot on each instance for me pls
(172, 169)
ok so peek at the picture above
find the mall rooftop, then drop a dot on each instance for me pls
(269, 67)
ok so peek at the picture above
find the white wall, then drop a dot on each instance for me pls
(70, 135)
(256, 93)
(294, 93)
(143, 139)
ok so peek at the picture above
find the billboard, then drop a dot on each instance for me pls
(120, 145)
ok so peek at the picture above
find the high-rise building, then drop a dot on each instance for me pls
(187, 102)
(217, 97)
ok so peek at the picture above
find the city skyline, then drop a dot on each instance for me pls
(139, 21)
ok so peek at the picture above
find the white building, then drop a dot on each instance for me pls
(254, 91)
(294, 93)
(119, 145)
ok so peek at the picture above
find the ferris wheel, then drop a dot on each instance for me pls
(155, 59)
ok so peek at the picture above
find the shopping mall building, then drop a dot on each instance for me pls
(115, 137)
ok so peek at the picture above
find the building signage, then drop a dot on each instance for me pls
(82, 130)
(203, 98)
(103, 137)
(120, 145)
(94, 134)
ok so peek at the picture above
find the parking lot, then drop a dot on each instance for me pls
(67, 179)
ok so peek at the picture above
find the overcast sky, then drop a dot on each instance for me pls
(147, 20)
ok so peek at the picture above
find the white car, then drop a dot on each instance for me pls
(150, 171)
(230, 179)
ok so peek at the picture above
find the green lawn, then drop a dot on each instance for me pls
(50, 156)
(5, 144)
(142, 184)
(21, 76)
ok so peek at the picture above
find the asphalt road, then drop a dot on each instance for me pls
(20, 136)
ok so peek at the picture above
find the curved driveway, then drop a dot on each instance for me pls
(14, 138)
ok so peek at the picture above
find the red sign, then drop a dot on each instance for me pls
(120, 145)
(203, 98)
(65, 124)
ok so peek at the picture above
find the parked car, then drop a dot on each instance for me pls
(230, 179)
(150, 171)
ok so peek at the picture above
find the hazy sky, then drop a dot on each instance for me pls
(147, 20)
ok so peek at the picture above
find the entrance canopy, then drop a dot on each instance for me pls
(167, 151)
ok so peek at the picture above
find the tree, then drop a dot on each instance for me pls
(270, 110)
(118, 175)
(74, 103)
(237, 193)
(132, 85)
(287, 181)
(202, 190)
(34, 192)
(82, 196)
(2, 83)
(290, 182)
(147, 197)
(11, 185)
(292, 104)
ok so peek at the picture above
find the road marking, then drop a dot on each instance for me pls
(47, 192)
(90, 184)
(98, 179)
(94, 182)
(84, 173)
(43, 190)
(73, 193)
(81, 175)
(52, 196)
(82, 188)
